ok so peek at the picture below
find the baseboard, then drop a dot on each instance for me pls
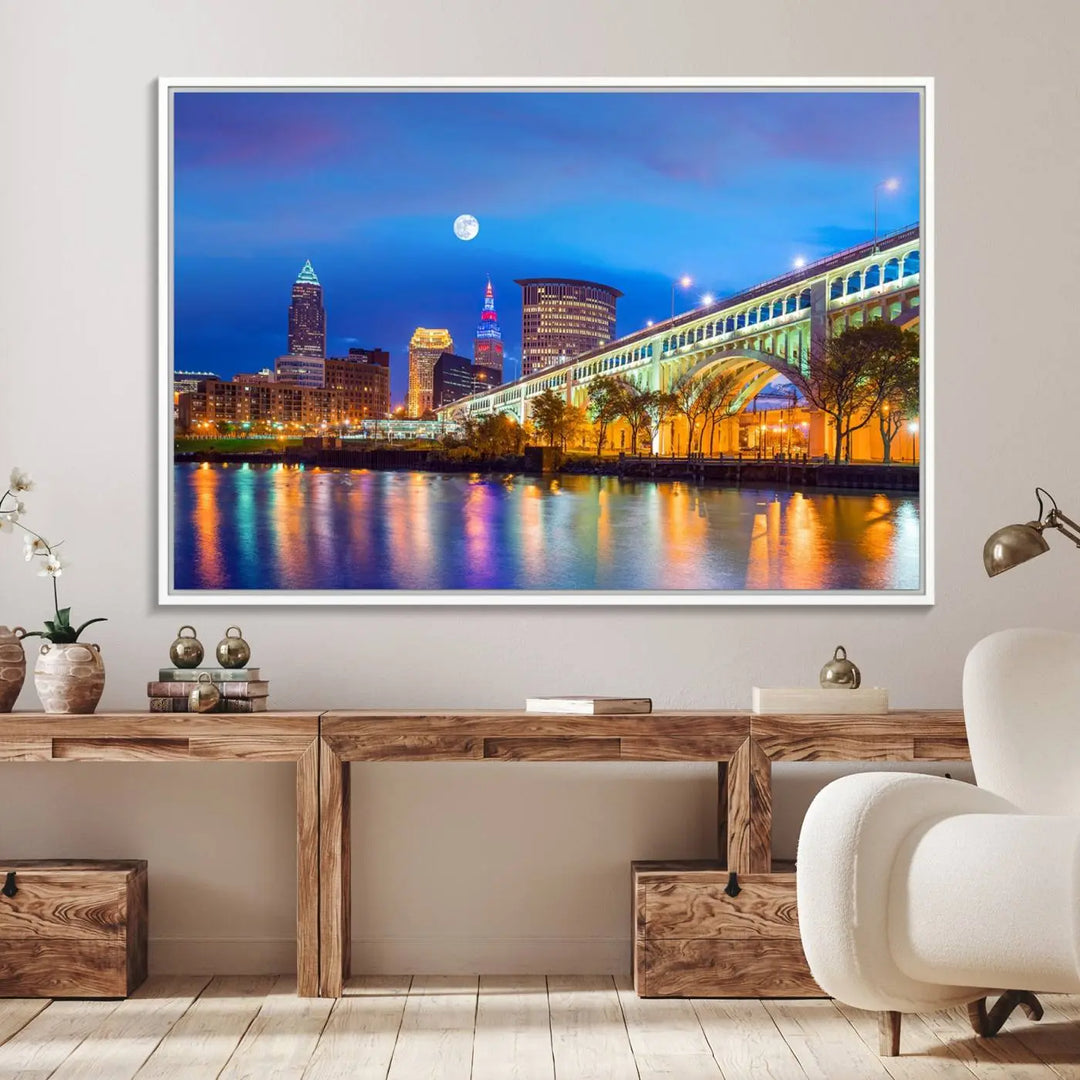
(440, 955)
(216, 956)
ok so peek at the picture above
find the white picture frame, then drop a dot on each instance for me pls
(168, 595)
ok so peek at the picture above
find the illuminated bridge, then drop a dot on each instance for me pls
(758, 334)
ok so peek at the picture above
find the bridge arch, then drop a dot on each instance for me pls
(734, 359)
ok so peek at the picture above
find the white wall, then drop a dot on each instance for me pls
(517, 866)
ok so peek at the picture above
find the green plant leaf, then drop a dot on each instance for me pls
(51, 626)
(35, 633)
(86, 624)
(63, 616)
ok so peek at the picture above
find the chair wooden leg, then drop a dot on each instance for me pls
(988, 1024)
(889, 1033)
(977, 1015)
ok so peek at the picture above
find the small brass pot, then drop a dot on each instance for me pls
(204, 695)
(840, 673)
(186, 651)
(233, 651)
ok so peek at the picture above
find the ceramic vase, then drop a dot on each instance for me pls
(12, 668)
(69, 678)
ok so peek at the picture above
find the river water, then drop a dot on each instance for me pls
(289, 528)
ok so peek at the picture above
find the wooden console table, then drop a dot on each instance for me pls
(743, 746)
(268, 736)
(915, 735)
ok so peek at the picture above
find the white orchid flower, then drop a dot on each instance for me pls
(53, 567)
(20, 480)
(34, 545)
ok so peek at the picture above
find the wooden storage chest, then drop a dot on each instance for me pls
(72, 928)
(693, 939)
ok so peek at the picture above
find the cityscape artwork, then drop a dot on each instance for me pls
(547, 342)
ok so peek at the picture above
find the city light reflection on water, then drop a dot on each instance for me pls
(277, 527)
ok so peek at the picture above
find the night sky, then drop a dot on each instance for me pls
(629, 189)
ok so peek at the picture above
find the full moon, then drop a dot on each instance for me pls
(466, 226)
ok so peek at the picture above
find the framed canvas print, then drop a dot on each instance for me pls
(547, 341)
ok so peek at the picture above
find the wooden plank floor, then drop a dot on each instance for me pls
(511, 1028)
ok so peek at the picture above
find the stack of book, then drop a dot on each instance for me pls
(241, 689)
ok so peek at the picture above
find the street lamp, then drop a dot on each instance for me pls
(708, 299)
(885, 185)
(684, 282)
(799, 262)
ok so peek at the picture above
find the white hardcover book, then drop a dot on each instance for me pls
(579, 705)
(817, 701)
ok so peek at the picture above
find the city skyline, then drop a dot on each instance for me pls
(729, 187)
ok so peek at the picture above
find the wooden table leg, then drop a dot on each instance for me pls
(749, 810)
(335, 907)
(307, 872)
(722, 795)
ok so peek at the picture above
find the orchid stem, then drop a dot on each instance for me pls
(45, 543)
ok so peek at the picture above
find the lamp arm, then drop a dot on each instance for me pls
(1064, 525)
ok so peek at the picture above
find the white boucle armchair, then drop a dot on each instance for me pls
(918, 893)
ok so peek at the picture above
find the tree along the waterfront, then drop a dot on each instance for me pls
(690, 398)
(720, 399)
(605, 405)
(548, 412)
(636, 407)
(851, 375)
(494, 435)
(900, 401)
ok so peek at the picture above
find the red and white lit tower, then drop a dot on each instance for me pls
(487, 345)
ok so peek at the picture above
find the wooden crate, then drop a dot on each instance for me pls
(73, 928)
(691, 939)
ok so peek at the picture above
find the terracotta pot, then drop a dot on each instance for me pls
(12, 667)
(69, 678)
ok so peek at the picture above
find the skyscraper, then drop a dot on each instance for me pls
(488, 346)
(307, 317)
(562, 318)
(425, 348)
(453, 379)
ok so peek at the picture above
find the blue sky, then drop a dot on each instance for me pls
(632, 189)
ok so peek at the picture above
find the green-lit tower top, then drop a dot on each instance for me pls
(307, 275)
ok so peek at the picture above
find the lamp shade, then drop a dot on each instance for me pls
(1013, 545)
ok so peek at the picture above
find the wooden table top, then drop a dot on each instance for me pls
(472, 735)
(136, 736)
(684, 735)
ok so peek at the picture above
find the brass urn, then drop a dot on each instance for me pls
(186, 651)
(840, 673)
(233, 651)
(204, 696)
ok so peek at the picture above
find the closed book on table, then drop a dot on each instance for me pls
(226, 705)
(581, 705)
(72, 928)
(217, 674)
(226, 689)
